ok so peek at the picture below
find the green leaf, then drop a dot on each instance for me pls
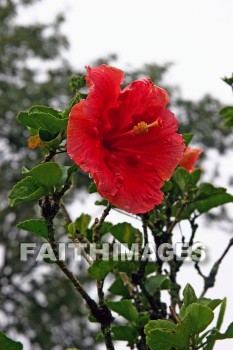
(221, 314)
(118, 288)
(105, 228)
(158, 282)
(143, 318)
(125, 233)
(47, 174)
(187, 138)
(100, 269)
(45, 110)
(228, 81)
(195, 176)
(9, 344)
(227, 114)
(82, 223)
(210, 303)
(36, 226)
(219, 336)
(200, 315)
(182, 178)
(125, 333)
(159, 324)
(71, 228)
(124, 308)
(42, 121)
(92, 188)
(211, 342)
(189, 295)
(209, 197)
(206, 198)
(77, 82)
(189, 298)
(52, 141)
(164, 339)
(26, 190)
(72, 169)
(167, 187)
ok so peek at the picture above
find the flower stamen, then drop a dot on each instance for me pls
(143, 127)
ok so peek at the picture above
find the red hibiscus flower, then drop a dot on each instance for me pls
(190, 157)
(125, 138)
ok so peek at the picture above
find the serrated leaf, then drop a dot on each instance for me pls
(162, 335)
(162, 339)
(159, 324)
(42, 121)
(47, 174)
(124, 308)
(46, 110)
(125, 233)
(100, 269)
(36, 226)
(9, 344)
(26, 190)
(155, 283)
(200, 315)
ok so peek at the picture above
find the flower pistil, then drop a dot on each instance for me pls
(143, 127)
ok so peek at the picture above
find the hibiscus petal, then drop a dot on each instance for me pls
(104, 84)
(132, 189)
(132, 177)
(83, 141)
(139, 99)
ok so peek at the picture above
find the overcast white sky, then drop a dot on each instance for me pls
(194, 34)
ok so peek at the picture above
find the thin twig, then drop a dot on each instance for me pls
(209, 281)
(174, 314)
(105, 326)
(49, 156)
(99, 222)
(177, 217)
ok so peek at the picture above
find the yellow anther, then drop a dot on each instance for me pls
(142, 127)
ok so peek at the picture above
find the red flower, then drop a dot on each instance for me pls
(125, 138)
(190, 157)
